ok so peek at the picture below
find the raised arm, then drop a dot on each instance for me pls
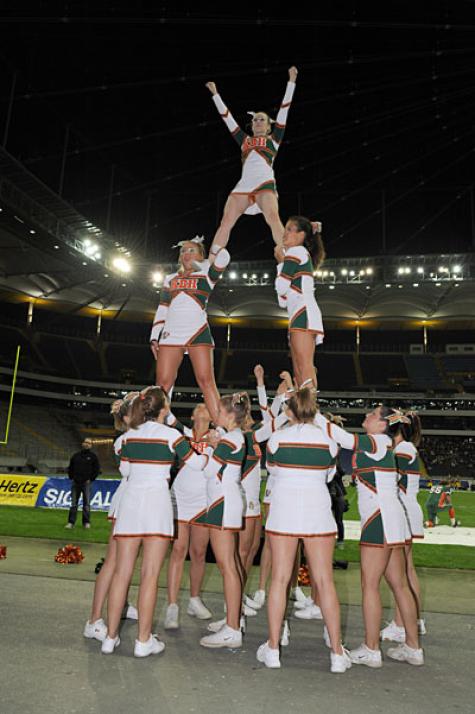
(160, 316)
(236, 132)
(219, 265)
(281, 120)
(286, 272)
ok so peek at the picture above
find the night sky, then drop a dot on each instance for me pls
(383, 114)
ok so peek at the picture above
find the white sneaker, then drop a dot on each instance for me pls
(393, 633)
(109, 644)
(268, 656)
(95, 630)
(339, 663)
(257, 600)
(248, 611)
(421, 627)
(130, 612)
(298, 594)
(197, 608)
(151, 647)
(403, 653)
(302, 604)
(217, 625)
(312, 612)
(171, 617)
(326, 637)
(68, 526)
(363, 655)
(226, 637)
(285, 636)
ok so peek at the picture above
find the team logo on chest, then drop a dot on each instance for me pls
(255, 142)
(184, 284)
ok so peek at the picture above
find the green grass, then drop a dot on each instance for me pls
(460, 557)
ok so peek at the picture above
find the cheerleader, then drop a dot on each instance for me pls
(301, 459)
(301, 254)
(95, 627)
(188, 494)
(145, 513)
(256, 190)
(181, 323)
(224, 516)
(408, 464)
(384, 532)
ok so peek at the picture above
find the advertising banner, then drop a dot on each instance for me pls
(52, 492)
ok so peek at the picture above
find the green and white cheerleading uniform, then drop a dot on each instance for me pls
(226, 501)
(271, 415)
(181, 319)
(295, 289)
(188, 490)
(257, 152)
(383, 521)
(115, 500)
(408, 464)
(145, 507)
(301, 459)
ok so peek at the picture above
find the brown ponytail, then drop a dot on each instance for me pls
(239, 405)
(313, 239)
(147, 406)
(303, 405)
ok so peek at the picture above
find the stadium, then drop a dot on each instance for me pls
(102, 171)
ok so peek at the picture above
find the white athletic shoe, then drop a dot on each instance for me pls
(312, 612)
(151, 647)
(363, 655)
(257, 600)
(171, 617)
(268, 656)
(393, 633)
(197, 608)
(302, 604)
(421, 627)
(403, 653)
(226, 637)
(95, 630)
(248, 611)
(130, 612)
(285, 636)
(216, 625)
(109, 644)
(339, 663)
(68, 526)
(298, 594)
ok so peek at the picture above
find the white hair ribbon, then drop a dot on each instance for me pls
(196, 239)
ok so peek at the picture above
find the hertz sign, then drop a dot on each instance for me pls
(52, 492)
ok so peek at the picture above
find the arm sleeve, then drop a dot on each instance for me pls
(268, 428)
(272, 446)
(162, 309)
(286, 271)
(219, 266)
(262, 397)
(222, 456)
(236, 131)
(186, 454)
(281, 121)
(341, 436)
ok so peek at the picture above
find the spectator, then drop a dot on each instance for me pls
(83, 468)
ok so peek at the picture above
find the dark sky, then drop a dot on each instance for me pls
(383, 112)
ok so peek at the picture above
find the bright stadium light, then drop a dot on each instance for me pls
(362, 272)
(254, 276)
(244, 275)
(122, 265)
(420, 270)
(400, 271)
(352, 272)
(369, 271)
(457, 269)
(344, 271)
(407, 271)
(331, 287)
(233, 275)
(157, 277)
(265, 276)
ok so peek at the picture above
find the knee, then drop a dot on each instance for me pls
(197, 554)
(281, 579)
(149, 571)
(205, 381)
(179, 551)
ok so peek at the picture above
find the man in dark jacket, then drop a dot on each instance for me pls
(83, 468)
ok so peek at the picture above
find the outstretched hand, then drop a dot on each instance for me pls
(279, 254)
(213, 438)
(212, 87)
(259, 374)
(287, 378)
(293, 72)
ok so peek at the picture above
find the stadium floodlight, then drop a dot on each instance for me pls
(157, 277)
(369, 271)
(415, 285)
(457, 269)
(325, 273)
(400, 271)
(352, 272)
(32, 231)
(388, 285)
(244, 275)
(233, 275)
(56, 247)
(331, 287)
(443, 269)
(420, 270)
(318, 273)
(254, 276)
(265, 276)
(121, 264)
(407, 270)
(437, 285)
(362, 272)
(344, 271)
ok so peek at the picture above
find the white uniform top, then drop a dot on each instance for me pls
(408, 465)
(188, 490)
(114, 504)
(301, 461)
(223, 474)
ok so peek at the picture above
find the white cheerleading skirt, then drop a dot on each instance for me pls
(414, 514)
(188, 493)
(231, 494)
(256, 173)
(251, 485)
(300, 508)
(145, 509)
(115, 500)
(268, 491)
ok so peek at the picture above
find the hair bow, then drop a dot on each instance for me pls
(196, 239)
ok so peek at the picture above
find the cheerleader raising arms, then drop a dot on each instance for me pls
(301, 254)
(256, 191)
(181, 323)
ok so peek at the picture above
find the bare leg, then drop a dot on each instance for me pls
(319, 552)
(202, 361)
(127, 551)
(295, 570)
(255, 543)
(234, 208)
(413, 584)
(373, 564)
(176, 562)
(199, 540)
(266, 559)
(302, 350)
(168, 363)
(225, 548)
(283, 549)
(103, 580)
(246, 541)
(267, 202)
(396, 577)
(154, 552)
